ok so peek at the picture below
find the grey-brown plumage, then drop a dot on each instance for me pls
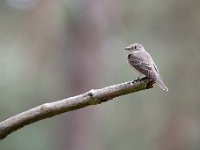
(140, 60)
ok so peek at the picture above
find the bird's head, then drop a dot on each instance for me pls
(134, 47)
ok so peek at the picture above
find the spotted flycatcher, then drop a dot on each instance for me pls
(140, 60)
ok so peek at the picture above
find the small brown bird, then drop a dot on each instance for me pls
(140, 60)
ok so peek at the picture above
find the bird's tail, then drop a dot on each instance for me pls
(161, 84)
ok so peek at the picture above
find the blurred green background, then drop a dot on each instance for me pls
(50, 50)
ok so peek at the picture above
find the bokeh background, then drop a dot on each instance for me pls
(54, 49)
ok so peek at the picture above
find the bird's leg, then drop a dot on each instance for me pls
(139, 77)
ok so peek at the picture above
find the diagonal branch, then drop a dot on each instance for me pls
(92, 97)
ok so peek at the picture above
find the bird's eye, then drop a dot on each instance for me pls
(135, 47)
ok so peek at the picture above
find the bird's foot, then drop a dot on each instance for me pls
(139, 77)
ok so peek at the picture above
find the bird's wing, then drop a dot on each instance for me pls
(141, 64)
(156, 68)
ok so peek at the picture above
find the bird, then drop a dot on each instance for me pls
(141, 61)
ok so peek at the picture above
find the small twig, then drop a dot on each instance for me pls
(92, 97)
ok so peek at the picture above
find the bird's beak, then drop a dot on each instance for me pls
(128, 48)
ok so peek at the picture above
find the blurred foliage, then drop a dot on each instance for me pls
(50, 50)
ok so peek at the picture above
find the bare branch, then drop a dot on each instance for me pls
(92, 97)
